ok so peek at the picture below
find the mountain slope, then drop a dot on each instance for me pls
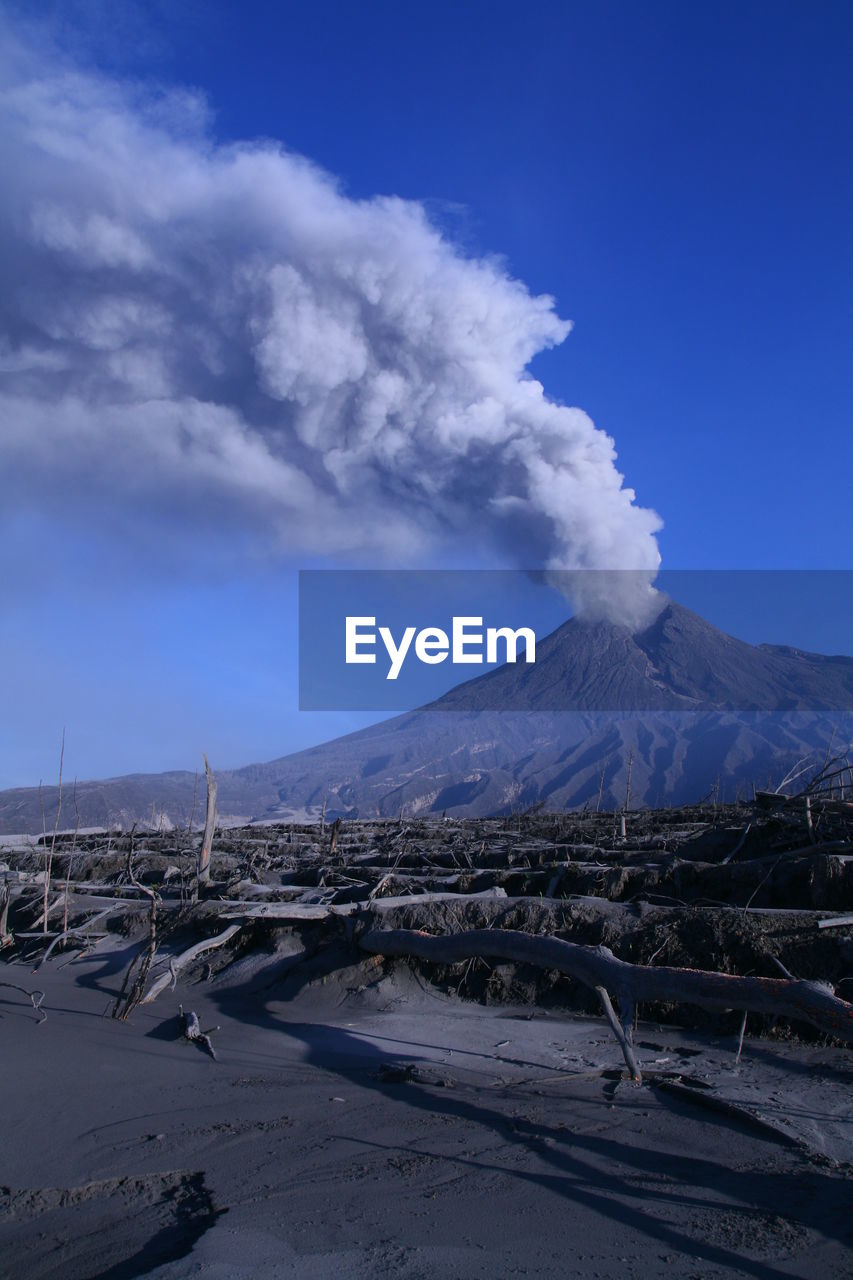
(686, 704)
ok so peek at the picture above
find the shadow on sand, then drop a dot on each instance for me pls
(624, 1182)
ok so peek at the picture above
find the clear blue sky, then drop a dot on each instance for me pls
(677, 176)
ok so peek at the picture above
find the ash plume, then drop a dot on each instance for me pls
(218, 328)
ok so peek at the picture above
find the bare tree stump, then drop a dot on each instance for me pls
(336, 827)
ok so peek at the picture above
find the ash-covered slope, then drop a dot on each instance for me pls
(691, 708)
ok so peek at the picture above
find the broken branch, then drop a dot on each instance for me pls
(184, 959)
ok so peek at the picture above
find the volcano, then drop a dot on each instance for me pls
(680, 706)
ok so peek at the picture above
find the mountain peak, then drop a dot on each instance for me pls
(678, 662)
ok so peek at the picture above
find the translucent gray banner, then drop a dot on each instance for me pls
(498, 640)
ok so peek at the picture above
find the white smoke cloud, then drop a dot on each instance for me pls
(220, 328)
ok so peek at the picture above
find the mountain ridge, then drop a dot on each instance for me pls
(686, 703)
(662, 662)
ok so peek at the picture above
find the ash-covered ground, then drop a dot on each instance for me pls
(368, 1116)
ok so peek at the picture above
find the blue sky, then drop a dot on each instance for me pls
(677, 177)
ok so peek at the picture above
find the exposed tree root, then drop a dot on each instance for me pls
(194, 1033)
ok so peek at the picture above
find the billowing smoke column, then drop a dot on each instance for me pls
(219, 328)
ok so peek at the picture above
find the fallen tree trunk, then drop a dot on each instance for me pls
(598, 968)
(834, 922)
(323, 911)
(22, 878)
(283, 911)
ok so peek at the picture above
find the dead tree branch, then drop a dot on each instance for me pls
(186, 958)
(209, 826)
(70, 859)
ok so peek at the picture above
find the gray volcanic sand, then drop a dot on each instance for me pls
(127, 1151)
